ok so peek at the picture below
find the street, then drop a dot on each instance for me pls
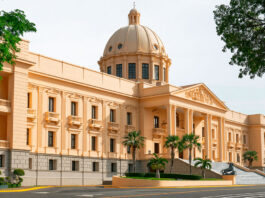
(100, 191)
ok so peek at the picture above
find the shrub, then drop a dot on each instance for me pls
(164, 175)
(19, 172)
(2, 181)
(181, 176)
(0, 172)
(134, 174)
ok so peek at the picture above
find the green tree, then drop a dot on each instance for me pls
(241, 25)
(135, 141)
(250, 156)
(190, 141)
(157, 164)
(173, 142)
(13, 25)
(204, 164)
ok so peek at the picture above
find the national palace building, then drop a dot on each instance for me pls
(64, 124)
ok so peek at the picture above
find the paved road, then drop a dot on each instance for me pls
(79, 192)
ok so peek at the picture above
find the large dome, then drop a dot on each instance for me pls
(135, 52)
(133, 39)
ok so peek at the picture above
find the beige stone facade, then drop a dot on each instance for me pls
(64, 124)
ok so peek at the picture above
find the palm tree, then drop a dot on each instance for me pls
(204, 164)
(190, 141)
(135, 141)
(250, 156)
(157, 163)
(173, 142)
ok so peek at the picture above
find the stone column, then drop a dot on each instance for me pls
(124, 68)
(187, 121)
(85, 121)
(220, 137)
(63, 120)
(191, 121)
(208, 130)
(169, 122)
(175, 120)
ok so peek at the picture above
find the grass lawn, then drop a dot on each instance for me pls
(151, 178)
(171, 179)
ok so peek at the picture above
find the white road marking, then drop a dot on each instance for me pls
(242, 195)
(89, 195)
(42, 192)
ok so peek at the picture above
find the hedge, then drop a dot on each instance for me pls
(164, 175)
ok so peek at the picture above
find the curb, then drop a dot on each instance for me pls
(26, 189)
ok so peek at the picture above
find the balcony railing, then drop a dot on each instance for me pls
(74, 121)
(4, 144)
(5, 106)
(159, 132)
(238, 145)
(31, 113)
(95, 124)
(113, 126)
(231, 144)
(129, 128)
(52, 117)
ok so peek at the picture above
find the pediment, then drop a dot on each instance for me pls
(202, 94)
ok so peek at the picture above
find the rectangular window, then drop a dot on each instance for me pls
(93, 143)
(73, 108)
(230, 156)
(238, 157)
(129, 118)
(50, 139)
(213, 134)
(109, 69)
(113, 167)
(229, 137)
(128, 149)
(156, 148)
(132, 71)
(112, 115)
(145, 71)
(28, 133)
(94, 112)
(112, 145)
(95, 166)
(164, 73)
(30, 163)
(130, 168)
(52, 164)
(29, 100)
(75, 165)
(156, 121)
(2, 159)
(73, 141)
(245, 139)
(156, 72)
(203, 132)
(51, 104)
(119, 70)
(213, 154)
(237, 138)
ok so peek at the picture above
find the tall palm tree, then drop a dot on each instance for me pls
(204, 164)
(190, 141)
(173, 142)
(135, 141)
(250, 156)
(157, 163)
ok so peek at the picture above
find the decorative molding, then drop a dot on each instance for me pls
(200, 94)
(52, 91)
(73, 96)
(32, 87)
(94, 100)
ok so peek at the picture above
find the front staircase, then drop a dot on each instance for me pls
(243, 174)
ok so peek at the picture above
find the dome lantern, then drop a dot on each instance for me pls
(134, 17)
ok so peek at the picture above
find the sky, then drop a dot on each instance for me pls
(77, 31)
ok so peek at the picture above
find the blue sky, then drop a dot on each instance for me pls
(76, 31)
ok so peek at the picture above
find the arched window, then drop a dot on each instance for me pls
(177, 120)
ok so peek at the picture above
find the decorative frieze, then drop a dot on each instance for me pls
(200, 94)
